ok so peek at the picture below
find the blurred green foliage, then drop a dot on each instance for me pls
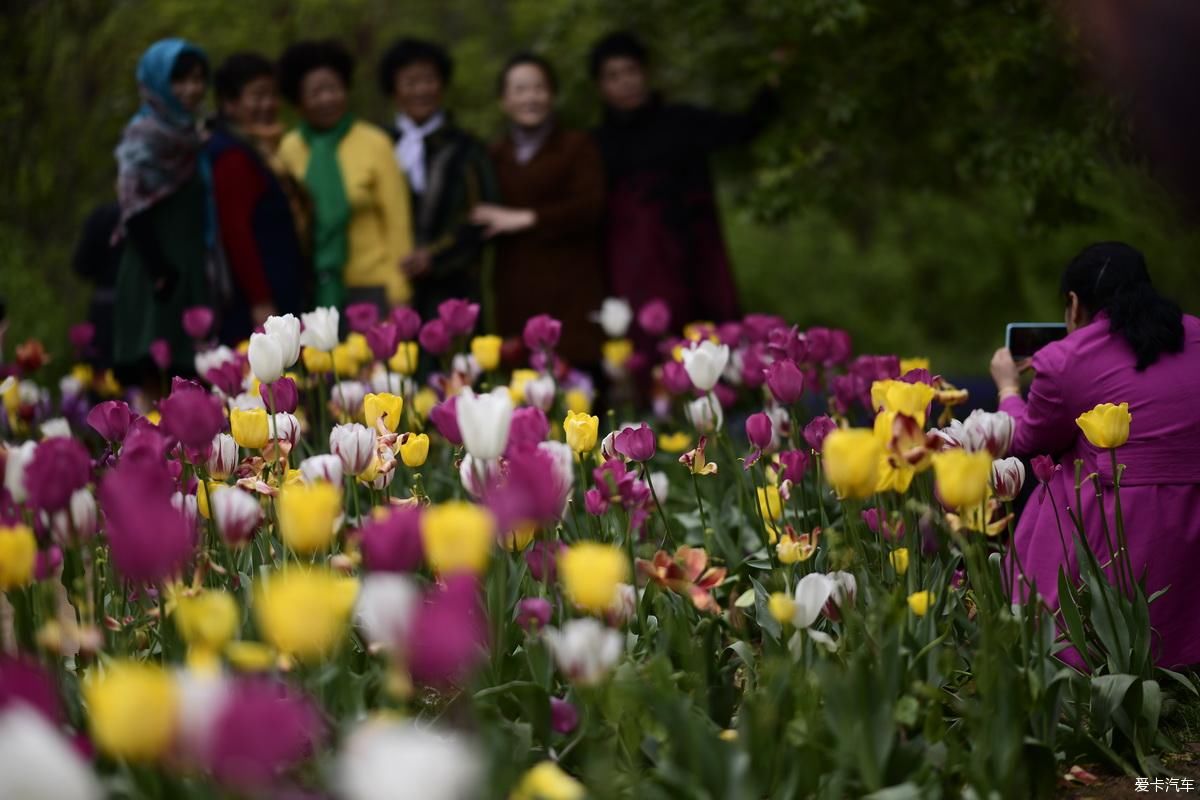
(935, 165)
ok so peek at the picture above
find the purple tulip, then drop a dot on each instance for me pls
(726, 395)
(759, 430)
(407, 322)
(24, 681)
(444, 417)
(794, 463)
(48, 563)
(594, 502)
(564, 717)
(361, 316)
(145, 444)
(533, 613)
(730, 333)
(262, 729)
(382, 340)
(192, 416)
(81, 335)
(542, 559)
(534, 489)
(1044, 468)
(160, 353)
(227, 377)
(197, 321)
(785, 381)
(675, 378)
(919, 375)
(754, 366)
(282, 393)
(434, 337)
(59, 467)
(529, 427)
(111, 420)
(393, 543)
(149, 539)
(820, 344)
(448, 635)
(655, 317)
(758, 327)
(458, 316)
(816, 431)
(542, 332)
(840, 347)
(636, 444)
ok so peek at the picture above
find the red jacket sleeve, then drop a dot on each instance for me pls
(237, 187)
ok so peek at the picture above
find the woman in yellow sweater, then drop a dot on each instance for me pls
(362, 228)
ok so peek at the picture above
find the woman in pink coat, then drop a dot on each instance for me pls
(1125, 344)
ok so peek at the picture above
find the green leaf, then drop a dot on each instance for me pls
(763, 614)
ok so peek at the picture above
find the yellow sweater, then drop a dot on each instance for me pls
(380, 230)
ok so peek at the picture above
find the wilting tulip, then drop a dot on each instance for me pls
(962, 477)
(704, 363)
(320, 329)
(614, 317)
(57, 469)
(785, 381)
(585, 650)
(354, 444)
(392, 542)
(236, 514)
(484, 421)
(414, 761)
(542, 332)
(385, 608)
(655, 317)
(1044, 468)
(1008, 477)
(1106, 426)
(851, 461)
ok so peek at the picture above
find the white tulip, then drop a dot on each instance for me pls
(56, 427)
(222, 457)
(812, 592)
(540, 392)
(384, 380)
(211, 359)
(266, 357)
(347, 396)
(982, 430)
(1008, 477)
(384, 760)
(483, 421)
(322, 468)
(69, 385)
(614, 317)
(661, 485)
(704, 363)
(284, 427)
(202, 698)
(384, 608)
(705, 413)
(80, 517)
(187, 504)
(465, 364)
(247, 401)
(285, 330)
(477, 475)
(320, 329)
(585, 649)
(14, 469)
(38, 763)
(564, 469)
(30, 394)
(236, 513)
(624, 605)
(354, 444)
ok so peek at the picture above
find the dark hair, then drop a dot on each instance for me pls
(187, 61)
(302, 58)
(532, 59)
(406, 52)
(238, 70)
(618, 44)
(1111, 277)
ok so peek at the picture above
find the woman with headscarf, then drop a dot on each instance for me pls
(362, 230)
(1126, 343)
(166, 213)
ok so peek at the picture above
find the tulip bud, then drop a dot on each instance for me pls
(1008, 476)
(759, 430)
(354, 444)
(285, 330)
(483, 421)
(705, 413)
(785, 381)
(322, 468)
(236, 514)
(320, 329)
(222, 457)
(266, 358)
(533, 613)
(704, 363)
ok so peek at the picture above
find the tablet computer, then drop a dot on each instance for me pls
(1023, 339)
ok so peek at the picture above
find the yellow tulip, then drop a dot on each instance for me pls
(920, 602)
(316, 360)
(359, 348)
(547, 781)
(18, 555)
(405, 358)
(893, 478)
(208, 620)
(385, 405)
(1106, 426)
(782, 607)
(907, 365)
(962, 477)
(851, 461)
(520, 537)
(133, 709)
(424, 401)
(581, 430)
(308, 516)
(486, 350)
(84, 374)
(109, 386)
(911, 399)
(204, 493)
(250, 656)
(12, 396)
(345, 360)
(578, 400)
(517, 382)
(674, 442)
(304, 613)
(616, 352)
(458, 537)
(249, 427)
(899, 560)
(591, 574)
(414, 449)
(154, 416)
(769, 503)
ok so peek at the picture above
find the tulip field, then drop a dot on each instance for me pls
(414, 562)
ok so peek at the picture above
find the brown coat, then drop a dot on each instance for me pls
(555, 267)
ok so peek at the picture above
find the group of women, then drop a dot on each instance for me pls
(237, 215)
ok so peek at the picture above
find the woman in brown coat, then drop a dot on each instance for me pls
(547, 237)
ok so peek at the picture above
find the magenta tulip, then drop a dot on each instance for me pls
(459, 316)
(192, 416)
(759, 430)
(529, 427)
(785, 381)
(149, 539)
(654, 317)
(263, 728)
(407, 322)
(542, 559)
(361, 316)
(448, 635)
(110, 419)
(444, 417)
(81, 335)
(564, 717)
(434, 337)
(816, 431)
(60, 466)
(393, 543)
(533, 613)
(282, 396)
(197, 321)
(542, 332)
(382, 339)
(675, 378)
(160, 353)
(794, 463)
(636, 444)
